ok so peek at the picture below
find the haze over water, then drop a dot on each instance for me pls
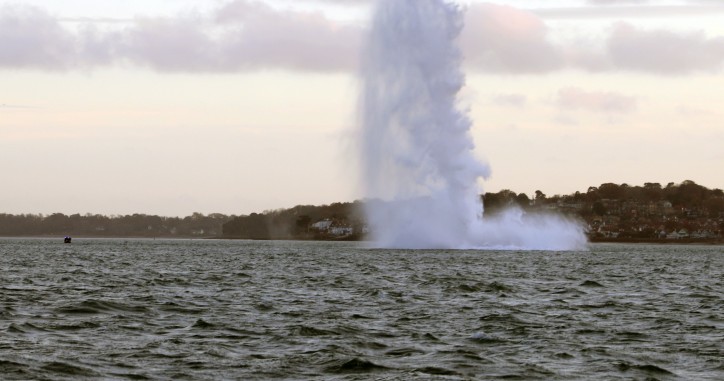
(417, 151)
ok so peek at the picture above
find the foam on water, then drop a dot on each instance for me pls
(416, 147)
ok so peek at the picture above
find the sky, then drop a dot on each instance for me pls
(171, 107)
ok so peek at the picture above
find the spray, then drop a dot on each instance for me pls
(416, 149)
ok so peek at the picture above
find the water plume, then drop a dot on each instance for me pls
(416, 149)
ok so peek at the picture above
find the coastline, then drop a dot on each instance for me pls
(353, 238)
(681, 241)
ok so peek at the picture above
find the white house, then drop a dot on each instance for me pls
(323, 225)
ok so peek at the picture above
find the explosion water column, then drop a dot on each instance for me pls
(417, 152)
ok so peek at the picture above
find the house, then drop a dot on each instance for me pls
(323, 225)
(340, 230)
(683, 233)
(703, 234)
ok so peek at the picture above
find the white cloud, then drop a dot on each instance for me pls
(574, 98)
(307, 41)
(15, 106)
(610, 2)
(510, 100)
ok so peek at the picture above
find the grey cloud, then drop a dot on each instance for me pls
(169, 44)
(241, 35)
(246, 35)
(618, 10)
(500, 38)
(506, 39)
(663, 51)
(307, 41)
(249, 35)
(30, 37)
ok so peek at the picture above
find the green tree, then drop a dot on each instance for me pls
(522, 200)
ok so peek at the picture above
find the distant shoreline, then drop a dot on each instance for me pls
(682, 241)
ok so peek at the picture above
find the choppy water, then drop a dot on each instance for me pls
(168, 310)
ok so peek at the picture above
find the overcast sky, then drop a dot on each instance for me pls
(236, 106)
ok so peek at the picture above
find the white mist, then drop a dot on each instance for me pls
(417, 151)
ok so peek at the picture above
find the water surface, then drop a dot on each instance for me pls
(204, 309)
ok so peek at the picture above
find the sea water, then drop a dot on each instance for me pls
(208, 309)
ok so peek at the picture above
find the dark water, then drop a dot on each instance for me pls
(169, 310)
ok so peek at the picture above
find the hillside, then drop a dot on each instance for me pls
(612, 212)
(685, 212)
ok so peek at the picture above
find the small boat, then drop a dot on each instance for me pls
(66, 239)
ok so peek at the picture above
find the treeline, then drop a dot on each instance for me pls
(687, 198)
(627, 209)
(686, 212)
(95, 225)
(609, 208)
(298, 222)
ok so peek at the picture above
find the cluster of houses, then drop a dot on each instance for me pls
(652, 220)
(611, 220)
(614, 231)
(332, 228)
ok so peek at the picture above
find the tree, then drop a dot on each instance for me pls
(522, 200)
(653, 191)
(302, 224)
(714, 206)
(611, 191)
(599, 208)
(494, 202)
